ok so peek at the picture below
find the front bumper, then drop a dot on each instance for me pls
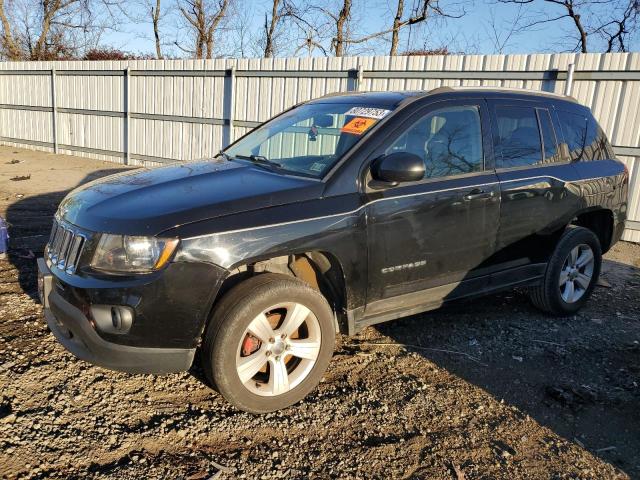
(78, 335)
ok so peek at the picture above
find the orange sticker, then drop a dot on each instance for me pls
(358, 125)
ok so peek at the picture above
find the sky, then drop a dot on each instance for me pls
(472, 33)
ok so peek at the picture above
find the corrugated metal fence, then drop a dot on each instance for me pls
(157, 111)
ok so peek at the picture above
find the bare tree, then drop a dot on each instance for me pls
(611, 19)
(10, 47)
(290, 13)
(418, 15)
(310, 44)
(270, 28)
(342, 28)
(52, 29)
(577, 20)
(568, 9)
(161, 16)
(618, 28)
(155, 19)
(308, 31)
(241, 39)
(426, 52)
(501, 35)
(338, 23)
(204, 18)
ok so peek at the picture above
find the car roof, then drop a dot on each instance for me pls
(395, 98)
(378, 99)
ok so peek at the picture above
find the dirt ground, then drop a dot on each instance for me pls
(476, 390)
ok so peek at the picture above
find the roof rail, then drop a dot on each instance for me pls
(504, 89)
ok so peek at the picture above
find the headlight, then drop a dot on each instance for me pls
(126, 254)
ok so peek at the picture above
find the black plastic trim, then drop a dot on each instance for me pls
(73, 330)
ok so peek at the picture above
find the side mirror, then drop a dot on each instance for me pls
(397, 168)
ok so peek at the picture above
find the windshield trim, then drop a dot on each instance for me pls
(272, 168)
(265, 168)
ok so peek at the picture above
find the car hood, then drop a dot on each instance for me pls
(149, 201)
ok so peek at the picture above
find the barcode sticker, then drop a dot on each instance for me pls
(368, 112)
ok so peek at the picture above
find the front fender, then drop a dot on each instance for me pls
(343, 235)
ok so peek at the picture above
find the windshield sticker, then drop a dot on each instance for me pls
(368, 112)
(317, 167)
(358, 125)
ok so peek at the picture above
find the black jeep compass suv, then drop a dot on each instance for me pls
(339, 213)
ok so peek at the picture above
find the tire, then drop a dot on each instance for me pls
(237, 340)
(568, 265)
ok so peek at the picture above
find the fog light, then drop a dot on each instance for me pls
(121, 317)
(116, 318)
(112, 318)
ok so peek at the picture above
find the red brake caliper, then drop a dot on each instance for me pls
(250, 344)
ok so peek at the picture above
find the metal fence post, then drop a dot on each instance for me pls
(229, 105)
(54, 111)
(352, 80)
(355, 79)
(127, 117)
(569, 82)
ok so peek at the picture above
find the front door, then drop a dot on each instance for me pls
(442, 230)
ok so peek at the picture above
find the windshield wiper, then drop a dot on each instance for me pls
(259, 160)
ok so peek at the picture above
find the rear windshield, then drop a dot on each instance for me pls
(309, 139)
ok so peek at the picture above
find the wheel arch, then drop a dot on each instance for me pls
(600, 221)
(320, 269)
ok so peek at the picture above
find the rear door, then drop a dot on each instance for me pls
(538, 196)
(440, 230)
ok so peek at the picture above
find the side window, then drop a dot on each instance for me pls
(549, 143)
(449, 140)
(574, 128)
(519, 136)
(584, 137)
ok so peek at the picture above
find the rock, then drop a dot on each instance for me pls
(11, 418)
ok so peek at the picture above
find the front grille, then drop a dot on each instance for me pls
(65, 247)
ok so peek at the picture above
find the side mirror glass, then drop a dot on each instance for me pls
(397, 168)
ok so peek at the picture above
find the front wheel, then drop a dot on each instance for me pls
(571, 273)
(268, 343)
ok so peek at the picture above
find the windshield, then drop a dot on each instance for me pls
(309, 139)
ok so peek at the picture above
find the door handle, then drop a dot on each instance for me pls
(477, 194)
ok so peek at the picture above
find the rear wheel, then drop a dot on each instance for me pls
(268, 343)
(571, 273)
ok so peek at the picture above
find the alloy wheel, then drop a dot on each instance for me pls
(278, 349)
(577, 273)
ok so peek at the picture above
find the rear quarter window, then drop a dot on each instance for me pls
(583, 136)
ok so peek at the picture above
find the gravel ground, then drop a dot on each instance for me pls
(482, 389)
